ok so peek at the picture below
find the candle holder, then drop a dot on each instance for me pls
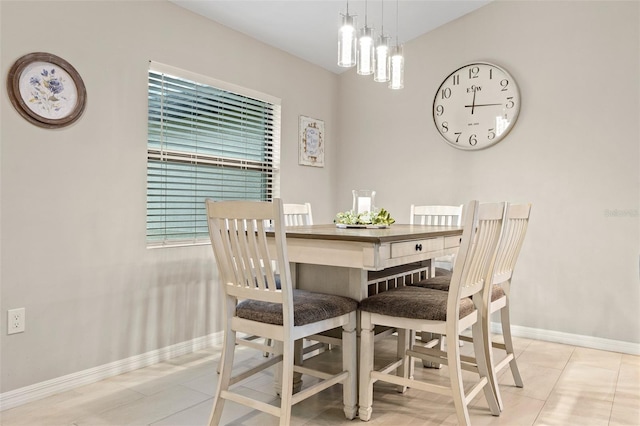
(363, 201)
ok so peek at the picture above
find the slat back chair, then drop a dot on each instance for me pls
(497, 299)
(446, 313)
(294, 215)
(248, 259)
(297, 214)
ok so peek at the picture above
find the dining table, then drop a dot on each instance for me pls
(353, 261)
(359, 261)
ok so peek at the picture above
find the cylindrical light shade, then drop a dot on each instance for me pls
(366, 58)
(381, 73)
(347, 42)
(397, 68)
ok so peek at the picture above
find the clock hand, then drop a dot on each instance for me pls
(473, 102)
(478, 105)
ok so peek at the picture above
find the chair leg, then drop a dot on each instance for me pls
(484, 361)
(508, 342)
(405, 370)
(350, 364)
(455, 375)
(279, 368)
(298, 355)
(226, 366)
(441, 343)
(286, 390)
(366, 366)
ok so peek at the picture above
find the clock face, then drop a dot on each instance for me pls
(476, 106)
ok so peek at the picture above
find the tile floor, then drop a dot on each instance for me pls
(564, 385)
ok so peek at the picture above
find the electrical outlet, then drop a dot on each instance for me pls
(15, 321)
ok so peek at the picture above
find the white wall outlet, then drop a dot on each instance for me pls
(15, 321)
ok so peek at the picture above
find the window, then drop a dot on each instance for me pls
(206, 139)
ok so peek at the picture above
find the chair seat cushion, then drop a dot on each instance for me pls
(439, 282)
(443, 272)
(442, 283)
(309, 307)
(414, 302)
(497, 292)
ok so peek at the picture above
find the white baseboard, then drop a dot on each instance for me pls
(41, 390)
(570, 339)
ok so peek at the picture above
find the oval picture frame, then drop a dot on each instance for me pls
(46, 90)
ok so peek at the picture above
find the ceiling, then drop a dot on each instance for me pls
(308, 29)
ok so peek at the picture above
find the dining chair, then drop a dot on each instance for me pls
(249, 254)
(438, 215)
(412, 308)
(294, 215)
(497, 295)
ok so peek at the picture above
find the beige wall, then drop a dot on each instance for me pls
(73, 200)
(574, 151)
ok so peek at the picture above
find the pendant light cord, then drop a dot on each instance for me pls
(382, 19)
(397, 22)
(365, 13)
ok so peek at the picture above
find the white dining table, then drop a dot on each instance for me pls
(360, 262)
(344, 262)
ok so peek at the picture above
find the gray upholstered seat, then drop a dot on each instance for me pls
(308, 308)
(414, 302)
(442, 283)
(441, 272)
(437, 283)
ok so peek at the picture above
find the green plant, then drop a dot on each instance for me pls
(377, 217)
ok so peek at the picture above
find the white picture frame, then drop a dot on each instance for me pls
(310, 142)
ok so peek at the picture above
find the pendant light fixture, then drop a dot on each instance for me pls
(397, 61)
(347, 41)
(365, 55)
(381, 73)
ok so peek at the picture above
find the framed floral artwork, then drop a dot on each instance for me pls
(46, 90)
(311, 142)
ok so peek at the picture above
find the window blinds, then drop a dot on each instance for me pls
(204, 142)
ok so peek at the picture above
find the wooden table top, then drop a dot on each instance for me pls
(395, 232)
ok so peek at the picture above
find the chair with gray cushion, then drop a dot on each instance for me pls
(447, 313)
(294, 215)
(497, 297)
(248, 255)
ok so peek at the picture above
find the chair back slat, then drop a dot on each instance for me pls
(247, 261)
(482, 229)
(297, 214)
(515, 229)
(436, 215)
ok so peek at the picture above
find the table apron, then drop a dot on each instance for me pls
(367, 256)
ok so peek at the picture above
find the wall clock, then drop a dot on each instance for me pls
(476, 106)
(46, 90)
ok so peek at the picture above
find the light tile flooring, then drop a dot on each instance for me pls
(564, 385)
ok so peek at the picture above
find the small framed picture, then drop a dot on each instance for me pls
(311, 142)
(46, 90)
